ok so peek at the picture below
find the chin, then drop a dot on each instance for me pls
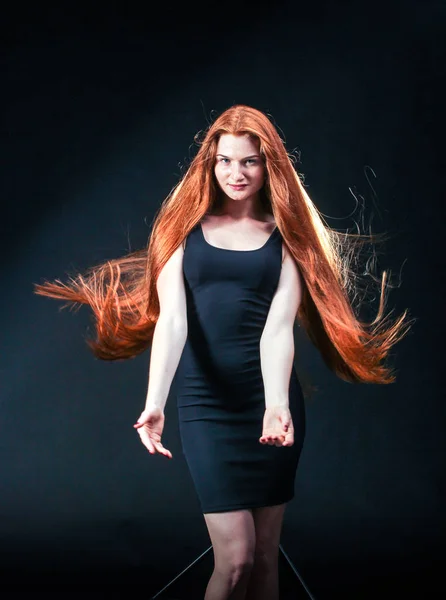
(241, 195)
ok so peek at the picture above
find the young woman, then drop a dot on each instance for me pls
(237, 255)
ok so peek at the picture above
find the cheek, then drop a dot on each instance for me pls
(220, 174)
(260, 176)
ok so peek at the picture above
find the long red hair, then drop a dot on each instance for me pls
(122, 292)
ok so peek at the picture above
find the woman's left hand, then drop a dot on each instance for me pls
(278, 429)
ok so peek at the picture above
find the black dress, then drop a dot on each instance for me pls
(219, 384)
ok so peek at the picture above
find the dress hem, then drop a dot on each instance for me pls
(241, 506)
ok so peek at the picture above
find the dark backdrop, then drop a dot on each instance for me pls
(99, 111)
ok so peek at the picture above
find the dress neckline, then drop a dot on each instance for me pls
(230, 249)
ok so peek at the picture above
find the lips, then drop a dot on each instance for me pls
(237, 187)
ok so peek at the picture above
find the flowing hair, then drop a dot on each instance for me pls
(122, 292)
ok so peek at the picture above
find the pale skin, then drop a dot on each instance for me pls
(245, 542)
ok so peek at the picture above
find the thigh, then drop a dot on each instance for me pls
(233, 538)
(268, 522)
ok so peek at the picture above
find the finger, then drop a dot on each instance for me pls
(162, 450)
(274, 439)
(145, 439)
(149, 446)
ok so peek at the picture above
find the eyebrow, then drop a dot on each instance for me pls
(246, 157)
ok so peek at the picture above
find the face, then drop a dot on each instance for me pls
(239, 168)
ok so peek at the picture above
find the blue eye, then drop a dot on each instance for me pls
(248, 161)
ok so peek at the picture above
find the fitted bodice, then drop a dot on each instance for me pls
(228, 294)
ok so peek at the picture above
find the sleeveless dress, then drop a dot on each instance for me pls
(219, 384)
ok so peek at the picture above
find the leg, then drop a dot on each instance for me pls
(264, 578)
(232, 535)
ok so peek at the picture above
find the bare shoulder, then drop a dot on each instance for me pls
(271, 227)
(270, 219)
(211, 220)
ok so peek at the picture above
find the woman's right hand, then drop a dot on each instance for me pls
(150, 428)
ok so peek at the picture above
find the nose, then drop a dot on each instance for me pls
(236, 172)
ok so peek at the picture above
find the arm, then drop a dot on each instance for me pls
(170, 331)
(277, 341)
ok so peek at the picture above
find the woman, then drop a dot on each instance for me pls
(238, 253)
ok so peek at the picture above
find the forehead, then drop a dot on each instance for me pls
(237, 145)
